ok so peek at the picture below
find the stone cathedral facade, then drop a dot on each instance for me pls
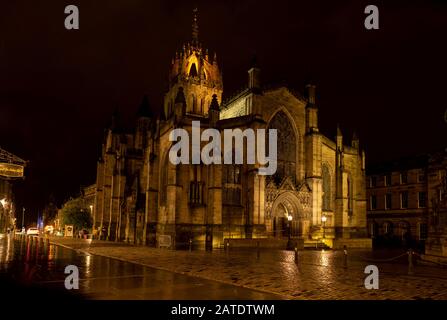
(142, 197)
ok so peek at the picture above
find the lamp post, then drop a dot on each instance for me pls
(324, 219)
(289, 227)
(23, 219)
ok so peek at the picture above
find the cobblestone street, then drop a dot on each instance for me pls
(317, 275)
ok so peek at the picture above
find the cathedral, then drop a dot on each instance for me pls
(316, 194)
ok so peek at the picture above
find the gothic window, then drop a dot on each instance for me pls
(164, 182)
(202, 104)
(193, 106)
(232, 184)
(193, 71)
(286, 144)
(326, 188)
(196, 187)
(350, 195)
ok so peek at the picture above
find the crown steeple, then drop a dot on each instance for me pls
(198, 75)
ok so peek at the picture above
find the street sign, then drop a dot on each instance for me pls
(69, 231)
(11, 170)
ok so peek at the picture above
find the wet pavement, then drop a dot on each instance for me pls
(317, 274)
(106, 273)
(27, 262)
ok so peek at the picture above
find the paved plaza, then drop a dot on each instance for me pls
(317, 275)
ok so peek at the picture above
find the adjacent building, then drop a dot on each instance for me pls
(406, 201)
(317, 191)
(398, 201)
(11, 168)
(436, 243)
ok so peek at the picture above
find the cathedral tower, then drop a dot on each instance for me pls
(193, 70)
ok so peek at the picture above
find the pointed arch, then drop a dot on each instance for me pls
(287, 154)
(193, 70)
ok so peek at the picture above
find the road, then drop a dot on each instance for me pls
(34, 267)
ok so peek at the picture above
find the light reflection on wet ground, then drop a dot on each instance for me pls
(29, 261)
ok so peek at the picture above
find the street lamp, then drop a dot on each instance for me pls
(289, 219)
(324, 219)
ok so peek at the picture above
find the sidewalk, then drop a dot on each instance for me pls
(317, 275)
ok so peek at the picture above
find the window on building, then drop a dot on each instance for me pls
(421, 177)
(388, 201)
(286, 147)
(232, 191)
(422, 199)
(195, 192)
(387, 228)
(164, 182)
(372, 181)
(326, 188)
(373, 229)
(196, 186)
(404, 199)
(387, 179)
(423, 231)
(350, 196)
(373, 202)
(403, 177)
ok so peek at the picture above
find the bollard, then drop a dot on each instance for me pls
(190, 244)
(296, 255)
(410, 262)
(258, 253)
(345, 259)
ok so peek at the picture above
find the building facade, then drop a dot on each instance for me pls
(406, 202)
(436, 244)
(318, 188)
(398, 202)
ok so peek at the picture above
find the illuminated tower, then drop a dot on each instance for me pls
(198, 75)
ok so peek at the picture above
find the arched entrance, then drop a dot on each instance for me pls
(287, 217)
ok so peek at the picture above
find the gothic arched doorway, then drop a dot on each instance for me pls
(287, 217)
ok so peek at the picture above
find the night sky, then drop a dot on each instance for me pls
(58, 87)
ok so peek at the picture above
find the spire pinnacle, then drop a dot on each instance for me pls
(195, 27)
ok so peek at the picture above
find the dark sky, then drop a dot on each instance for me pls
(58, 88)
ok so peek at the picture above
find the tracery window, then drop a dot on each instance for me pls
(232, 191)
(196, 187)
(286, 144)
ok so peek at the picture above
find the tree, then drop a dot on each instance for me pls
(75, 213)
